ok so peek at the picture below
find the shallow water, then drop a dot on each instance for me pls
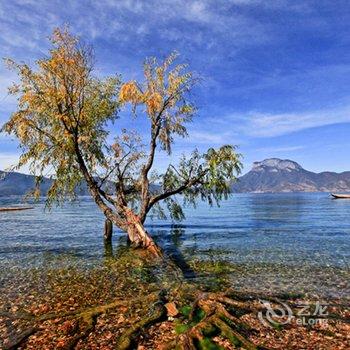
(288, 242)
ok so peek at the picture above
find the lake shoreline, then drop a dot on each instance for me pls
(62, 295)
(291, 248)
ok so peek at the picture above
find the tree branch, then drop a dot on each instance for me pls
(97, 192)
(188, 184)
(156, 126)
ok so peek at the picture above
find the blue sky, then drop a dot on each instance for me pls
(276, 73)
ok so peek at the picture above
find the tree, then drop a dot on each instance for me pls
(63, 121)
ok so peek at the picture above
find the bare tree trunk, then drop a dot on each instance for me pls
(108, 231)
(107, 238)
(134, 227)
(138, 236)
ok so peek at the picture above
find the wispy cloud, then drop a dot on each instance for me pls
(214, 138)
(272, 150)
(133, 29)
(268, 125)
(8, 160)
(7, 78)
(106, 18)
(256, 57)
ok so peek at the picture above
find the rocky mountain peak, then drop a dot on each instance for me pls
(276, 164)
(284, 175)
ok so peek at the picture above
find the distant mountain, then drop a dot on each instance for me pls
(17, 184)
(270, 175)
(277, 175)
(12, 184)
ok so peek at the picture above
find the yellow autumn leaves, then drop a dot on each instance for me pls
(63, 107)
(130, 92)
(163, 88)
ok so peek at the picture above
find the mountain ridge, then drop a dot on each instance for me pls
(284, 175)
(18, 184)
(270, 175)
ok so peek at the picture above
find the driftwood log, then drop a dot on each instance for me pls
(15, 208)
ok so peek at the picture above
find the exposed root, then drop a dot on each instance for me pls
(130, 336)
(21, 338)
(87, 319)
(217, 320)
(202, 320)
(66, 314)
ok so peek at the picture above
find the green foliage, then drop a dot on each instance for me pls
(205, 176)
(175, 209)
(62, 105)
(163, 96)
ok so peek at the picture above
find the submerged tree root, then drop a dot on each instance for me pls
(20, 339)
(64, 314)
(86, 321)
(129, 337)
(213, 320)
(217, 320)
(217, 310)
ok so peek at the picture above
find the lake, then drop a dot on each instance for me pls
(295, 242)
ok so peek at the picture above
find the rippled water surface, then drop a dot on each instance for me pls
(269, 237)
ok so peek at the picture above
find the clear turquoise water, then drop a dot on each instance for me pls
(307, 235)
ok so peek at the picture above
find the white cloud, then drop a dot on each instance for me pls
(267, 125)
(9, 159)
(209, 138)
(31, 21)
(118, 20)
(7, 78)
(280, 149)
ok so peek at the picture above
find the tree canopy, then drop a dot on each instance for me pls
(64, 121)
(61, 107)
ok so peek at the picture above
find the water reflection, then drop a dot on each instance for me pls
(171, 243)
(279, 209)
(108, 249)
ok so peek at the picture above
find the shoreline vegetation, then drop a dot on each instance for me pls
(132, 302)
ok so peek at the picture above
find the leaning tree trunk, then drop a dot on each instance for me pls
(134, 227)
(138, 236)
